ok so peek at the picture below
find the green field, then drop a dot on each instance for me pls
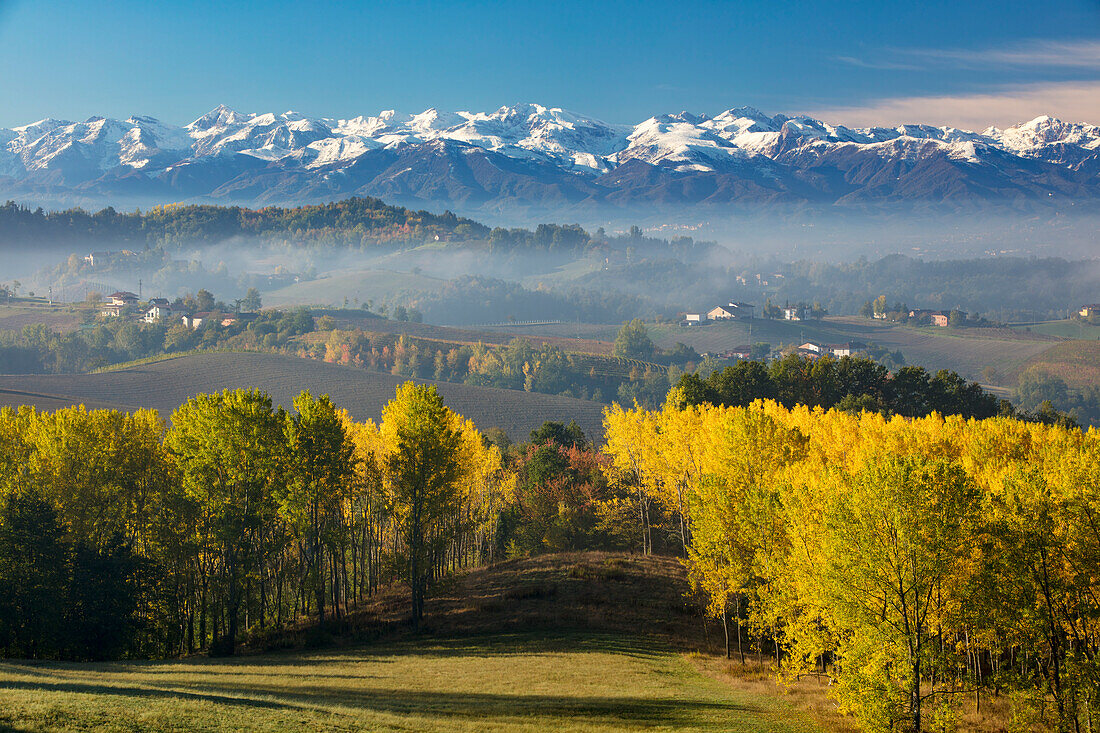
(965, 350)
(1066, 329)
(167, 384)
(378, 285)
(497, 683)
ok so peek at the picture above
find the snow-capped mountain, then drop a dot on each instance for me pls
(538, 155)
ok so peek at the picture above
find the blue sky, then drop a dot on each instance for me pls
(965, 62)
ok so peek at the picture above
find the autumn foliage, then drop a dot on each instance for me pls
(921, 563)
(122, 536)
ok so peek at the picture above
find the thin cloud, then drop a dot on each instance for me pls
(865, 64)
(1077, 101)
(1045, 53)
(1039, 53)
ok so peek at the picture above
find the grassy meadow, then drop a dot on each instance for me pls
(518, 682)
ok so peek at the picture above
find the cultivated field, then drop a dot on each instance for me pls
(965, 350)
(449, 334)
(1067, 329)
(57, 317)
(1076, 362)
(166, 384)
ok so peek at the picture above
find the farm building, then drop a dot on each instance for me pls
(845, 349)
(811, 346)
(157, 311)
(720, 313)
(694, 318)
(195, 320)
(741, 310)
(737, 352)
(794, 313)
(1088, 311)
(939, 318)
(123, 298)
(229, 319)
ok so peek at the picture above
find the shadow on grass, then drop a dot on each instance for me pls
(90, 688)
(473, 645)
(633, 711)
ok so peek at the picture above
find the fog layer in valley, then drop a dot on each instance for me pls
(794, 255)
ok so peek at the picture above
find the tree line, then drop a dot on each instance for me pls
(357, 221)
(923, 565)
(856, 384)
(518, 365)
(122, 536)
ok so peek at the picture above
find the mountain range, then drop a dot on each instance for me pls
(530, 155)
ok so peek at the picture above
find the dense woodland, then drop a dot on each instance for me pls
(123, 537)
(852, 384)
(119, 536)
(352, 222)
(922, 565)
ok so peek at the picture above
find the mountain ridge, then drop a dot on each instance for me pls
(532, 154)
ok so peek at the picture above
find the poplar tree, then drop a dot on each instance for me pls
(317, 487)
(229, 447)
(424, 474)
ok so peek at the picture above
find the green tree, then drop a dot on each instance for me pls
(740, 384)
(229, 449)
(33, 565)
(251, 301)
(204, 300)
(633, 342)
(563, 435)
(319, 475)
(1036, 387)
(760, 351)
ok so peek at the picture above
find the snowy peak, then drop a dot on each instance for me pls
(219, 117)
(1043, 131)
(576, 149)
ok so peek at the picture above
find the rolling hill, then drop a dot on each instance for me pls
(165, 385)
(1075, 362)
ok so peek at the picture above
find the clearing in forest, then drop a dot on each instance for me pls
(567, 682)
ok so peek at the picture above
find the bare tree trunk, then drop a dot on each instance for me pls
(726, 629)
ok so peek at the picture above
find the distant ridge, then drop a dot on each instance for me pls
(529, 154)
